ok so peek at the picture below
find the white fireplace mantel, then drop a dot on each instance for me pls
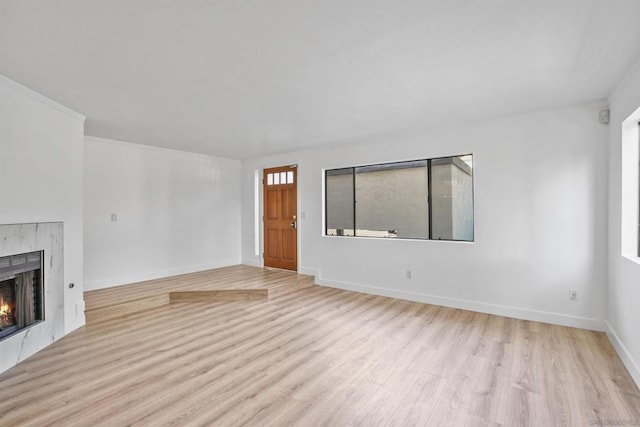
(47, 237)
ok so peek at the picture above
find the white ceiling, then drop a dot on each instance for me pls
(244, 78)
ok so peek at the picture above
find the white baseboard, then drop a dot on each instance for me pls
(252, 262)
(110, 282)
(481, 307)
(309, 271)
(627, 359)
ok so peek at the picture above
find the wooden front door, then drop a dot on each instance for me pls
(281, 217)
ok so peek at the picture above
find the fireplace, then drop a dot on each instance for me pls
(18, 242)
(21, 292)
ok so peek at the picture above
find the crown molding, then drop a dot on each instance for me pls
(8, 83)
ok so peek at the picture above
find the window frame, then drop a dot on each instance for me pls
(429, 162)
(630, 187)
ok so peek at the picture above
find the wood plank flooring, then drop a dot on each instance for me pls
(313, 356)
(235, 277)
(207, 286)
(221, 295)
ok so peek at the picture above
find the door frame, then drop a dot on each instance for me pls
(299, 227)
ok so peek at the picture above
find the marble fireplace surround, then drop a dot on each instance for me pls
(21, 238)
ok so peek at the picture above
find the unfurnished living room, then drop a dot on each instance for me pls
(319, 213)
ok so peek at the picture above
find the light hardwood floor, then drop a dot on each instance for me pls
(312, 356)
(236, 277)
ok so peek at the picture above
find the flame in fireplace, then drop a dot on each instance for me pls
(4, 308)
(6, 317)
(4, 311)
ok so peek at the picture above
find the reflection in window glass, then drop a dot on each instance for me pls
(339, 202)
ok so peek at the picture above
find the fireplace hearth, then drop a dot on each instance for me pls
(21, 292)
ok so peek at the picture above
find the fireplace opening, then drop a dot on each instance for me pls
(21, 292)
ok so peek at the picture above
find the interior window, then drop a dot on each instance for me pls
(418, 199)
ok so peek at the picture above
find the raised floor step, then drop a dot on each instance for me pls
(220, 295)
(204, 286)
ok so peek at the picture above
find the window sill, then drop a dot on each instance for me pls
(633, 259)
(401, 239)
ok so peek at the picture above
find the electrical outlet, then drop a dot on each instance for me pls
(573, 295)
(114, 217)
(408, 274)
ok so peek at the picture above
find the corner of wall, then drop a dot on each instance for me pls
(40, 98)
(627, 359)
(252, 262)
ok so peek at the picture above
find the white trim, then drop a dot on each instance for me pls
(257, 218)
(627, 359)
(629, 186)
(299, 225)
(135, 278)
(481, 307)
(117, 142)
(8, 83)
(308, 271)
(252, 262)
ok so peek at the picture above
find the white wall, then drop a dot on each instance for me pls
(177, 212)
(624, 273)
(540, 220)
(41, 176)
